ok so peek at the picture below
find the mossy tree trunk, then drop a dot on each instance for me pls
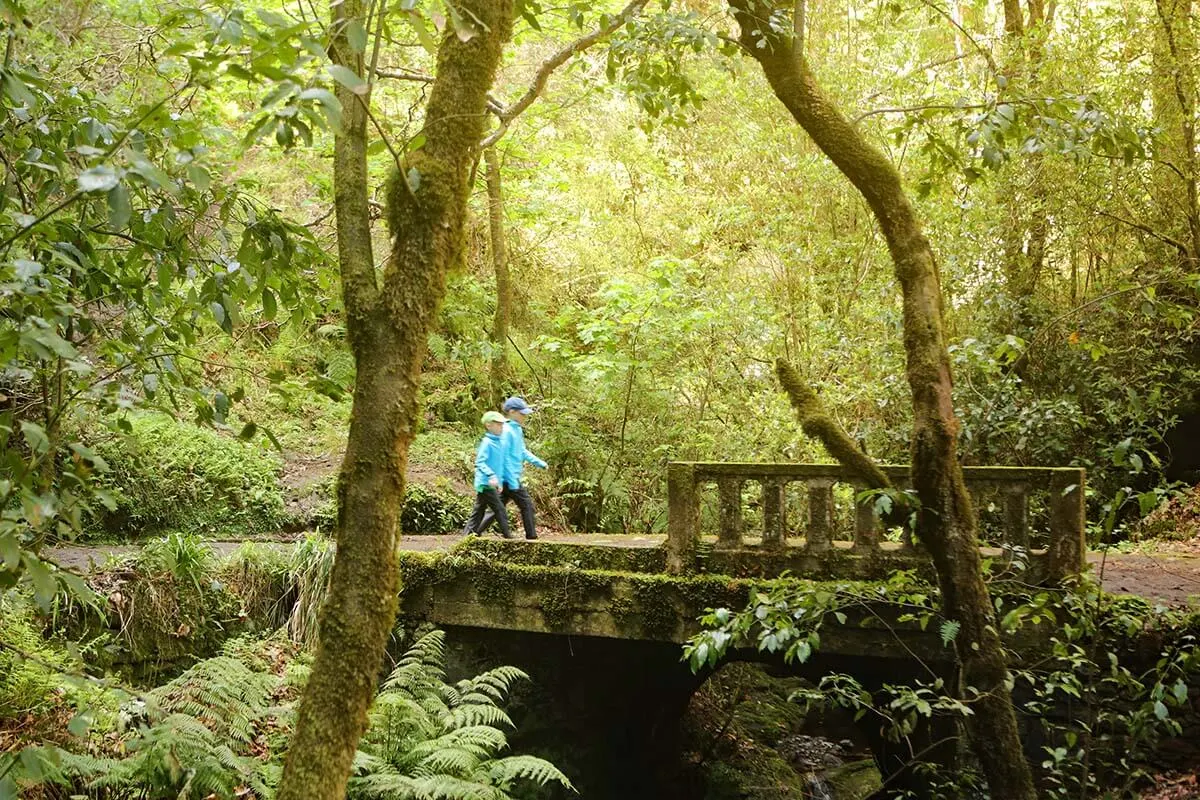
(946, 521)
(499, 364)
(387, 324)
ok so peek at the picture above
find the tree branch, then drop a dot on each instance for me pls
(511, 112)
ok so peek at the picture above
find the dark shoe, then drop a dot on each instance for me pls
(502, 535)
(531, 538)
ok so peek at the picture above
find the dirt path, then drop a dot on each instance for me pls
(1171, 576)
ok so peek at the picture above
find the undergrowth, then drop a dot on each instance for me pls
(167, 475)
(219, 730)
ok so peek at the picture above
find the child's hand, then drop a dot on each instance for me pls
(494, 482)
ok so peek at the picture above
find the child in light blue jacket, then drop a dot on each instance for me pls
(489, 477)
(516, 456)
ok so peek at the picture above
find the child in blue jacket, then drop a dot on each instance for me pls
(489, 476)
(516, 455)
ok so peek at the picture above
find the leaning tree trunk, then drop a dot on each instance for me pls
(503, 285)
(387, 325)
(946, 520)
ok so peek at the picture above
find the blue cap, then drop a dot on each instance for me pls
(517, 404)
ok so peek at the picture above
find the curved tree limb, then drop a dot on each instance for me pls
(508, 113)
(946, 518)
(817, 423)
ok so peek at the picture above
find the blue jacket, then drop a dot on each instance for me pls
(489, 461)
(515, 454)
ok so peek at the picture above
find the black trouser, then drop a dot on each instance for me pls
(524, 503)
(488, 506)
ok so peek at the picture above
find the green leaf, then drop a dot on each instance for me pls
(97, 179)
(270, 307)
(272, 19)
(1160, 710)
(10, 551)
(18, 90)
(348, 78)
(119, 208)
(44, 585)
(79, 725)
(35, 435)
(356, 35)
(330, 106)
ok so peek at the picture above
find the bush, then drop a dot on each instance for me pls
(433, 510)
(169, 475)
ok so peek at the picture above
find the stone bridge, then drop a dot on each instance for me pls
(598, 621)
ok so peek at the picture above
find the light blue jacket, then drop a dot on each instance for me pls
(515, 454)
(489, 461)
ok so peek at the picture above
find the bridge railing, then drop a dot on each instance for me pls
(1060, 492)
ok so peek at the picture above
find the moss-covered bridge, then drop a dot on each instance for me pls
(598, 620)
(653, 588)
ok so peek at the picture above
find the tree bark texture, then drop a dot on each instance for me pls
(946, 521)
(503, 286)
(387, 325)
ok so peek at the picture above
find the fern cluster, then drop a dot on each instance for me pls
(217, 730)
(191, 738)
(430, 740)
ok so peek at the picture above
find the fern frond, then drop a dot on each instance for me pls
(222, 693)
(388, 785)
(503, 771)
(448, 787)
(464, 716)
(445, 759)
(484, 737)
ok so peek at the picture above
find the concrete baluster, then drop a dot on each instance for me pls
(1068, 542)
(866, 526)
(1016, 515)
(729, 513)
(819, 536)
(774, 514)
(683, 518)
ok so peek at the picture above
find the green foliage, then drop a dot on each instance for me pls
(218, 729)
(309, 571)
(174, 476)
(25, 685)
(1101, 703)
(430, 739)
(428, 510)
